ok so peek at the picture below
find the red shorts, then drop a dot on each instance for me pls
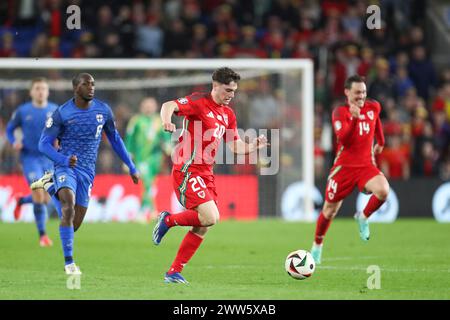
(342, 181)
(193, 189)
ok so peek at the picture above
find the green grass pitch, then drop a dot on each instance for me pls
(238, 260)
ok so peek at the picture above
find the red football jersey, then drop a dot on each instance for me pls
(205, 123)
(355, 137)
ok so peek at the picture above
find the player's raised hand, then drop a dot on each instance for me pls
(169, 127)
(377, 149)
(135, 177)
(18, 145)
(354, 110)
(260, 142)
(73, 161)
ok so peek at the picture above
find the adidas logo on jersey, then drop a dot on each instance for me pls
(210, 115)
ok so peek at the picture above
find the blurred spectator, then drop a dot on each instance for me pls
(85, 47)
(409, 101)
(444, 171)
(397, 13)
(417, 36)
(106, 36)
(53, 48)
(422, 72)
(149, 35)
(321, 90)
(190, 14)
(394, 160)
(442, 100)
(393, 125)
(248, 46)
(339, 73)
(399, 60)
(263, 107)
(224, 28)
(381, 40)
(402, 82)
(126, 30)
(285, 10)
(40, 46)
(382, 87)
(352, 59)
(305, 31)
(333, 8)
(425, 154)
(366, 65)
(273, 39)
(442, 135)
(333, 29)
(51, 14)
(176, 40)
(7, 48)
(201, 46)
(352, 22)
(444, 76)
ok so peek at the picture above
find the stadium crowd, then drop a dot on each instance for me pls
(394, 59)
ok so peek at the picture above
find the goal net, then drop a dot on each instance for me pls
(274, 98)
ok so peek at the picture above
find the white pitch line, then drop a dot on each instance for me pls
(354, 268)
(352, 258)
(364, 268)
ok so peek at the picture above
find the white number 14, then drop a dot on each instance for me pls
(364, 128)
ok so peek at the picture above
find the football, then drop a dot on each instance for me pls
(300, 264)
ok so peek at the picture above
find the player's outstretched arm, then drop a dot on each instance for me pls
(119, 146)
(47, 140)
(167, 110)
(46, 147)
(379, 136)
(240, 147)
(10, 127)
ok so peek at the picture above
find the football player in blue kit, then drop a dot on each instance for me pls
(78, 125)
(30, 117)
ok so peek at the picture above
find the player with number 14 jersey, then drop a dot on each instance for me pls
(356, 125)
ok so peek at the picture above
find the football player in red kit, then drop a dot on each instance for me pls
(207, 118)
(355, 124)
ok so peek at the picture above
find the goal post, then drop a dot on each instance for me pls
(291, 81)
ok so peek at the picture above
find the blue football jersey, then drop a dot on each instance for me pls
(31, 120)
(79, 131)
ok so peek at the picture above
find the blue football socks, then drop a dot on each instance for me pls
(66, 235)
(40, 215)
(25, 199)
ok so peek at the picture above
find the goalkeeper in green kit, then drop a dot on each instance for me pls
(147, 142)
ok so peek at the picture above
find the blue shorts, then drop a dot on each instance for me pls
(34, 166)
(76, 180)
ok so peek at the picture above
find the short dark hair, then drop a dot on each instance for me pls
(351, 79)
(225, 75)
(38, 79)
(77, 79)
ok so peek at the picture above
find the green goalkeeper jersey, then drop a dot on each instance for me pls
(145, 138)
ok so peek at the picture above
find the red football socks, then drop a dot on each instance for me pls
(372, 206)
(321, 228)
(188, 247)
(185, 218)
